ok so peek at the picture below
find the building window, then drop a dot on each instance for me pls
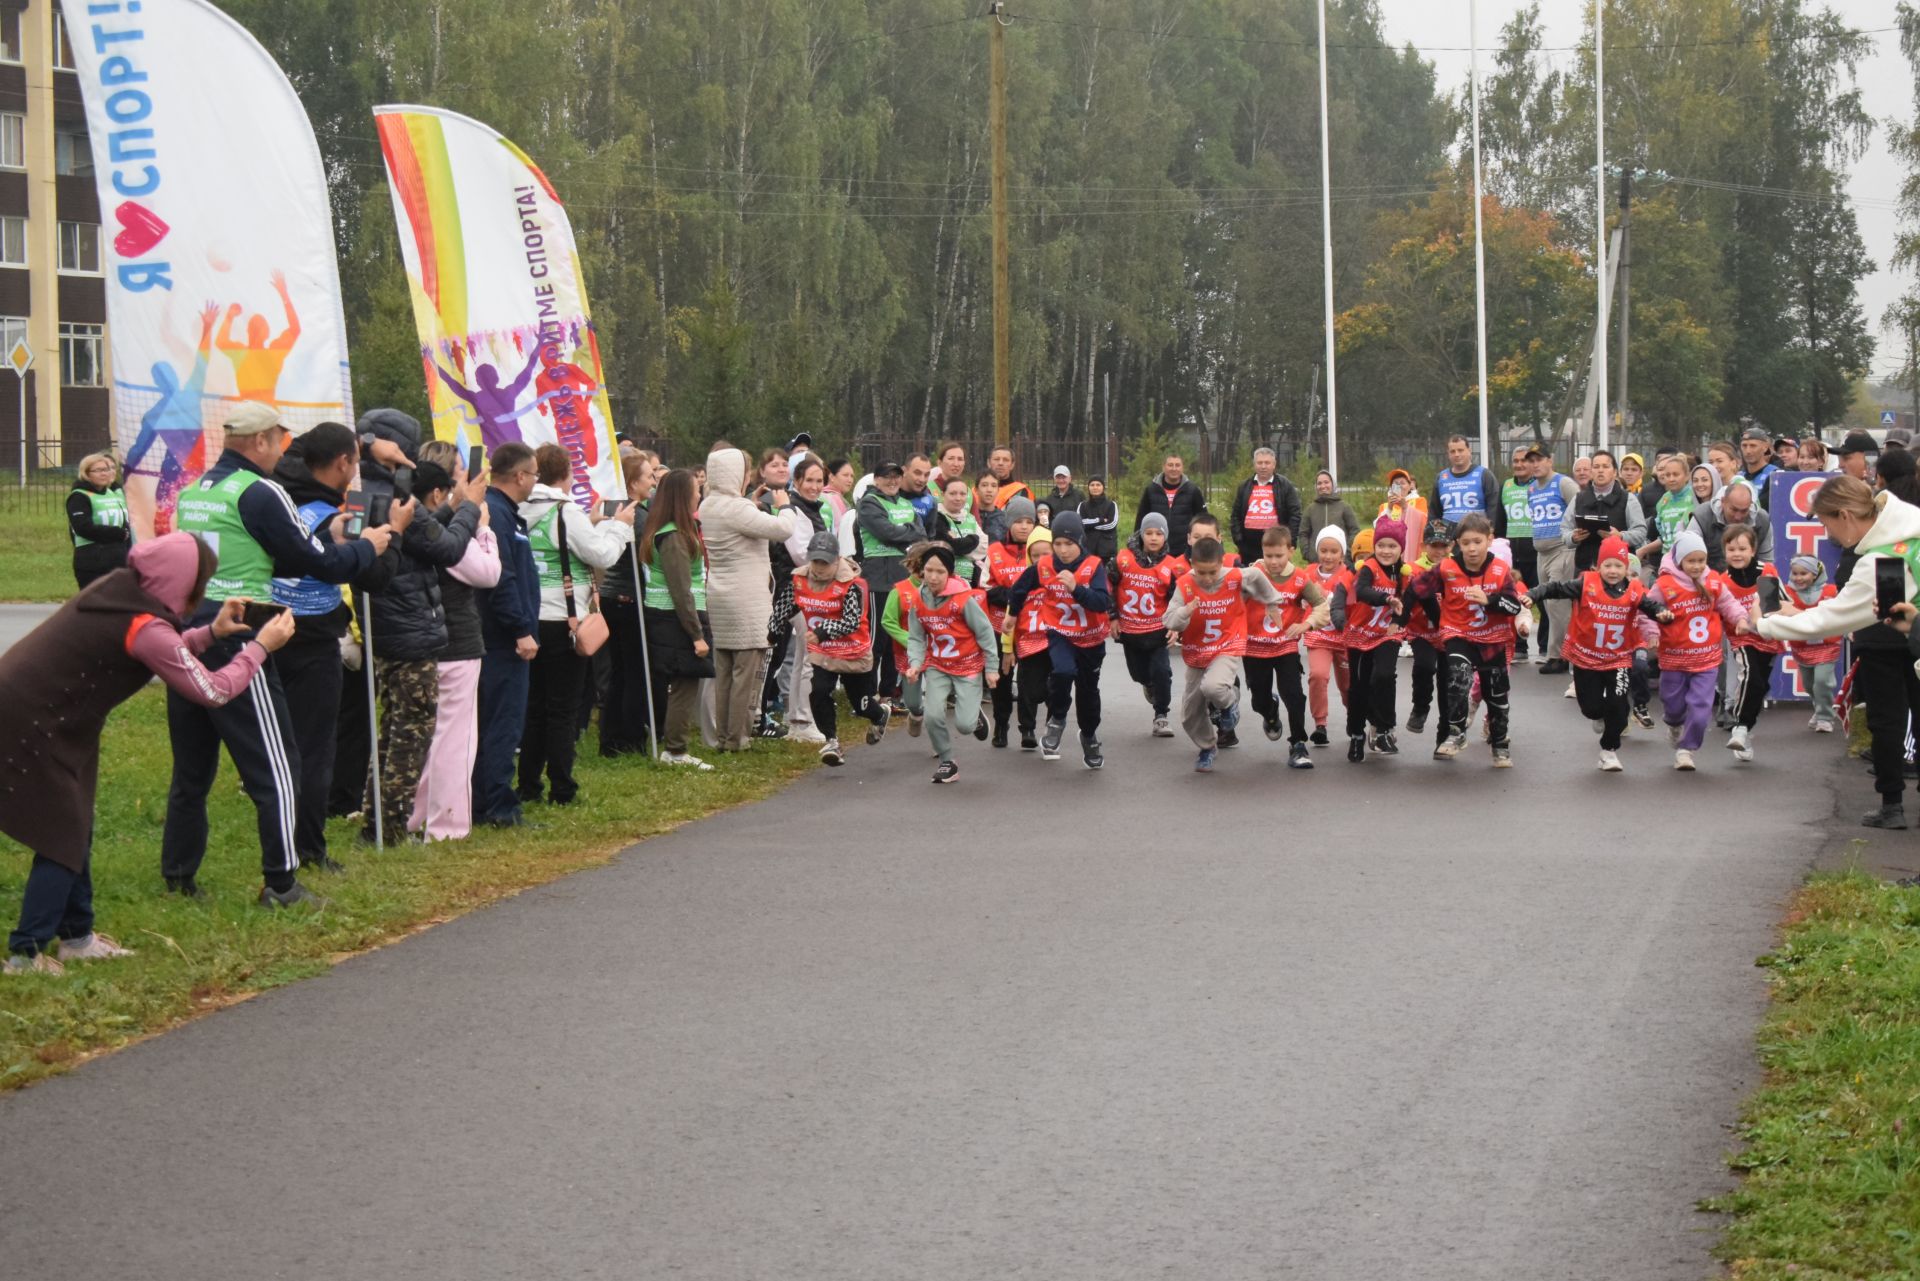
(80, 247)
(80, 356)
(9, 35)
(13, 140)
(72, 153)
(12, 329)
(62, 47)
(13, 242)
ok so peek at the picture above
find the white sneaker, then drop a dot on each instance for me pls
(830, 754)
(1450, 747)
(94, 947)
(1610, 763)
(1569, 693)
(1740, 743)
(1823, 727)
(1683, 759)
(40, 963)
(806, 734)
(684, 758)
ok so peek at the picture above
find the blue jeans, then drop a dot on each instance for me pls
(504, 682)
(58, 903)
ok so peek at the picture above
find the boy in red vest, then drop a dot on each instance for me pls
(1602, 635)
(831, 598)
(953, 651)
(1473, 597)
(1074, 604)
(1208, 619)
(1374, 628)
(1006, 561)
(1273, 646)
(1423, 633)
(1144, 577)
(1226, 720)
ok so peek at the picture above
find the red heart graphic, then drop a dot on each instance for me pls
(140, 230)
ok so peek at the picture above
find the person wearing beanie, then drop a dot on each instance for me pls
(1422, 632)
(1696, 609)
(1023, 634)
(1326, 644)
(1481, 610)
(953, 653)
(1144, 577)
(1006, 561)
(826, 602)
(1807, 586)
(1603, 641)
(1075, 601)
(1756, 585)
(1375, 624)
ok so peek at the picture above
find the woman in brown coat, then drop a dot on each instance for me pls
(99, 650)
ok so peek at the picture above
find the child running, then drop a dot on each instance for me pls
(894, 618)
(1273, 645)
(1025, 631)
(1601, 639)
(1373, 641)
(831, 599)
(1756, 586)
(1006, 561)
(1074, 604)
(1146, 575)
(1807, 586)
(953, 651)
(1472, 596)
(1326, 645)
(1696, 608)
(1423, 634)
(1225, 719)
(1206, 616)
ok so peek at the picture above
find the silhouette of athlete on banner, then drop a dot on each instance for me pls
(496, 408)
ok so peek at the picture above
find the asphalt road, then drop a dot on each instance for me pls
(17, 620)
(1404, 1020)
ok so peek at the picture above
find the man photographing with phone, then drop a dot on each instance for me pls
(252, 525)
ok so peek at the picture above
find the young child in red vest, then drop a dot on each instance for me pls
(1423, 633)
(1756, 585)
(1697, 609)
(1027, 638)
(952, 651)
(1326, 645)
(1144, 575)
(1006, 561)
(1074, 603)
(1207, 619)
(1374, 629)
(1226, 721)
(1473, 597)
(831, 599)
(1273, 645)
(1608, 602)
(1807, 586)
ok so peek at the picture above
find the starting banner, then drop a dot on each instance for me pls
(1797, 533)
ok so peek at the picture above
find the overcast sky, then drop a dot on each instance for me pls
(1885, 81)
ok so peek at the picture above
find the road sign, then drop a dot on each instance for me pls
(20, 360)
(20, 357)
(1888, 418)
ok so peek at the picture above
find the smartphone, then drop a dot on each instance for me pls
(257, 614)
(355, 514)
(1889, 586)
(379, 506)
(476, 460)
(611, 508)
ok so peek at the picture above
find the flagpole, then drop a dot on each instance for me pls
(1602, 287)
(1479, 241)
(1326, 232)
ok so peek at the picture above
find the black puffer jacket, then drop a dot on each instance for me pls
(409, 618)
(456, 601)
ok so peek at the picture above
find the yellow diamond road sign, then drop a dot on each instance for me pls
(20, 357)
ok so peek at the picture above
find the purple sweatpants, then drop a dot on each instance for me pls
(1689, 695)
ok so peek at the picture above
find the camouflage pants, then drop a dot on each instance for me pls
(409, 699)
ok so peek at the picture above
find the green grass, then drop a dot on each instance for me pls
(36, 557)
(197, 956)
(1832, 1155)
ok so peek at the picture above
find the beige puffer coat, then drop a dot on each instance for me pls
(739, 574)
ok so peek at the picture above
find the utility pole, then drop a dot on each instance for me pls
(1002, 302)
(1602, 285)
(1913, 372)
(1626, 267)
(1326, 233)
(1479, 247)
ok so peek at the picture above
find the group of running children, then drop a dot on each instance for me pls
(985, 643)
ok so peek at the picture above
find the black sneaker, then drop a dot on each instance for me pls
(1227, 738)
(1357, 748)
(1643, 715)
(1555, 667)
(770, 728)
(1090, 752)
(324, 863)
(1028, 743)
(1417, 723)
(1298, 757)
(1050, 741)
(294, 895)
(980, 730)
(1000, 736)
(1891, 817)
(1272, 726)
(1385, 744)
(877, 727)
(1320, 738)
(185, 887)
(947, 772)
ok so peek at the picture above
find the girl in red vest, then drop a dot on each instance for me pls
(831, 599)
(1807, 586)
(1273, 645)
(952, 651)
(1006, 561)
(1608, 603)
(1473, 597)
(1697, 608)
(1423, 633)
(1374, 626)
(1756, 586)
(1025, 630)
(1206, 618)
(1326, 645)
(1074, 603)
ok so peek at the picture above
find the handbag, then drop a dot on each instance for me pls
(588, 631)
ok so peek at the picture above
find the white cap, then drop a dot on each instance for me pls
(1061, 471)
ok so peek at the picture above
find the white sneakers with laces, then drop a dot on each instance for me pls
(94, 947)
(685, 758)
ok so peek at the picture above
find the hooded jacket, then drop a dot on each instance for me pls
(589, 547)
(1710, 522)
(1853, 610)
(98, 650)
(312, 629)
(1331, 510)
(739, 579)
(409, 619)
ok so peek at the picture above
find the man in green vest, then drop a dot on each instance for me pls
(252, 526)
(1513, 497)
(888, 525)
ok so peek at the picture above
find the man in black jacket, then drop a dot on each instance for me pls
(1175, 497)
(1264, 500)
(509, 623)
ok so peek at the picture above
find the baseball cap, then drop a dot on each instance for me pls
(1062, 472)
(1756, 433)
(250, 418)
(823, 548)
(889, 469)
(1857, 442)
(1534, 451)
(1438, 531)
(1786, 440)
(803, 438)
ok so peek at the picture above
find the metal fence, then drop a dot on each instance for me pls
(1034, 460)
(49, 477)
